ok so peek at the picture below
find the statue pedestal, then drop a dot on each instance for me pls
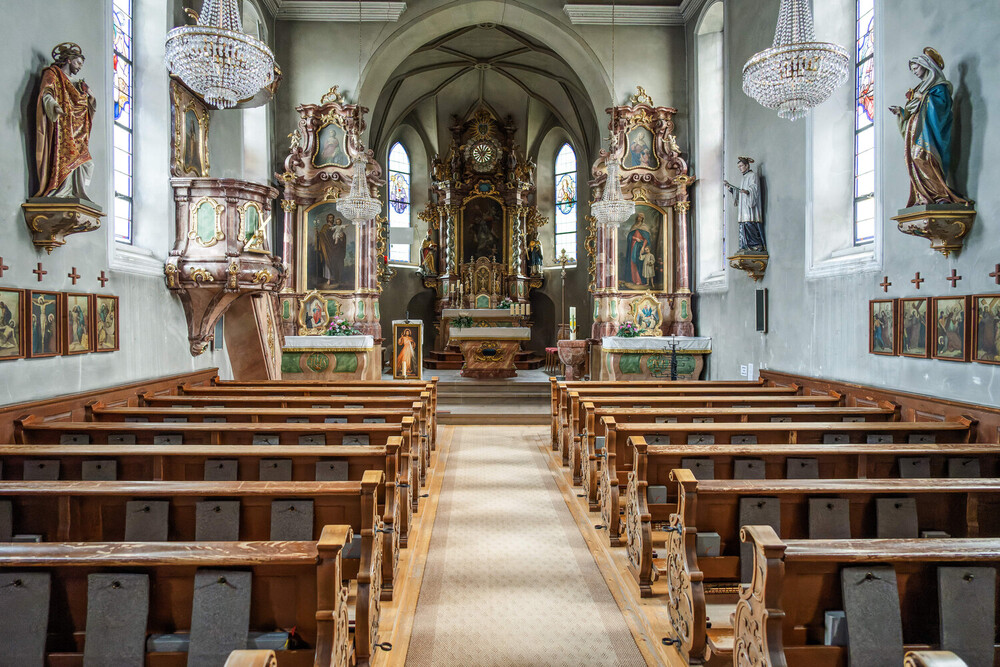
(489, 352)
(944, 225)
(573, 353)
(52, 219)
(754, 263)
(649, 357)
(329, 358)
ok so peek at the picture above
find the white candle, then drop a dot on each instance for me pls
(572, 312)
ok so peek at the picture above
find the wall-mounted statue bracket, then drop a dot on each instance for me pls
(52, 219)
(754, 263)
(944, 225)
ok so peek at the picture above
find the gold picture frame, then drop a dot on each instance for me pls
(504, 225)
(314, 314)
(647, 314)
(189, 143)
(197, 228)
(407, 353)
(310, 276)
(662, 281)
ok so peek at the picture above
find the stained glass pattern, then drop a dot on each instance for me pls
(566, 200)
(122, 102)
(864, 124)
(399, 199)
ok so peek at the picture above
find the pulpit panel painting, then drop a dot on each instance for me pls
(330, 250)
(639, 149)
(483, 230)
(330, 148)
(641, 249)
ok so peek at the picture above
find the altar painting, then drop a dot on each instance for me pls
(646, 314)
(641, 249)
(313, 315)
(639, 152)
(330, 243)
(483, 230)
(330, 147)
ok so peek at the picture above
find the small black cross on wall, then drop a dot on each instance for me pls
(39, 272)
(73, 275)
(917, 280)
(103, 278)
(954, 278)
(885, 284)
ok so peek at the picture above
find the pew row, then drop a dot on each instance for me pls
(594, 430)
(291, 585)
(779, 619)
(848, 509)
(617, 445)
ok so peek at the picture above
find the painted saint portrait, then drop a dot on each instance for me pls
(639, 150)
(314, 314)
(913, 327)
(640, 251)
(105, 323)
(46, 326)
(11, 324)
(79, 324)
(330, 250)
(192, 143)
(482, 230)
(882, 327)
(950, 318)
(986, 331)
(406, 352)
(330, 149)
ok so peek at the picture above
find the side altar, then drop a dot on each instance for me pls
(652, 357)
(489, 351)
(329, 358)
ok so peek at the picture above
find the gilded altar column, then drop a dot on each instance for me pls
(288, 243)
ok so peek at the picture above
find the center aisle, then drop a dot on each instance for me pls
(509, 579)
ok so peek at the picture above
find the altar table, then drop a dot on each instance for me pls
(648, 357)
(489, 351)
(330, 358)
(481, 317)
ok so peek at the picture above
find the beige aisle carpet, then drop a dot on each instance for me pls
(509, 579)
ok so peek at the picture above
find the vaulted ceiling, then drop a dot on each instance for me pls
(510, 72)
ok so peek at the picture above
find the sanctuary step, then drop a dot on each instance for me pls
(448, 360)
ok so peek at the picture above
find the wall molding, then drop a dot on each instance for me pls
(334, 10)
(645, 15)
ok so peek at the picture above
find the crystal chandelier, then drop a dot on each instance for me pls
(359, 205)
(216, 59)
(797, 73)
(613, 209)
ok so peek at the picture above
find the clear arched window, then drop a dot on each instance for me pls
(864, 124)
(122, 103)
(399, 199)
(709, 143)
(566, 200)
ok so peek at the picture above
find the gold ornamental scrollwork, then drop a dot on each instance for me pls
(383, 272)
(590, 246)
(200, 275)
(262, 277)
(489, 352)
(170, 271)
(233, 275)
(641, 97)
(332, 96)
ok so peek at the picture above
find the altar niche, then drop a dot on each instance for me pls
(644, 242)
(484, 230)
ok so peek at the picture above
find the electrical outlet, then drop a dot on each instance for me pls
(743, 370)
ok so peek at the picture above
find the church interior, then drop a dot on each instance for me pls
(499, 332)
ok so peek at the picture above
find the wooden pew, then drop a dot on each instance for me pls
(593, 425)
(85, 511)
(780, 615)
(294, 584)
(558, 387)
(962, 507)
(654, 464)
(97, 411)
(618, 436)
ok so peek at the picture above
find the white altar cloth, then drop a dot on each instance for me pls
(482, 313)
(329, 343)
(657, 344)
(496, 333)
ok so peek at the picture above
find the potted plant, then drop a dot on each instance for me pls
(463, 321)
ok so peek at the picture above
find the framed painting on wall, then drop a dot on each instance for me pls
(642, 247)
(483, 232)
(12, 338)
(105, 323)
(882, 327)
(46, 334)
(329, 248)
(986, 328)
(190, 141)
(407, 343)
(639, 153)
(331, 148)
(78, 322)
(950, 321)
(914, 323)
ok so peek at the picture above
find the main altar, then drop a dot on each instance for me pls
(481, 221)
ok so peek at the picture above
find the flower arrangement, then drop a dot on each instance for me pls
(628, 330)
(505, 304)
(338, 326)
(463, 321)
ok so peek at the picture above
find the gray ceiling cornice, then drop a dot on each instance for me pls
(334, 10)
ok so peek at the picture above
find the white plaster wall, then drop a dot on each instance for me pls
(153, 329)
(819, 326)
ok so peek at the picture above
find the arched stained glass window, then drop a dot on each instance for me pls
(864, 124)
(566, 200)
(122, 102)
(399, 199)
